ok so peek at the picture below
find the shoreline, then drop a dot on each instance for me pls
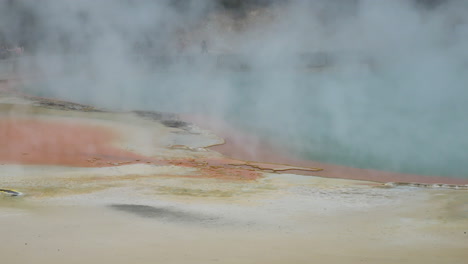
(241, 146)
(245, 147)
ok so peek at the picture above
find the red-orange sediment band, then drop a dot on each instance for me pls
(251, 149)
(39, 142)
(34, 142)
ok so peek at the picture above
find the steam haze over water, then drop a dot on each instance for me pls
(370, 83)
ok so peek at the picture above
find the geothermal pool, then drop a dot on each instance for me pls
(386, 118)
(154, 192)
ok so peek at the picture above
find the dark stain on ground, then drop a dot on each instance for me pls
(167, 119)
(63, 105)
(164, 213)
(176, 124)
(157, 116)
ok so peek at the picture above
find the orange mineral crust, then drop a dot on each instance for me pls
(227, 169)
(38, 142)
(67, 143)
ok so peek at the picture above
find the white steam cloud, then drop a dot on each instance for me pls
(366, 83)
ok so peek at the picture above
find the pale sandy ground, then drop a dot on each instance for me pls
(278, 219)
(144, 213)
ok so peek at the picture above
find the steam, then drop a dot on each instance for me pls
(369, 83)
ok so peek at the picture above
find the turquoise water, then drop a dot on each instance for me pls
(394, 120)
(363, 122)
